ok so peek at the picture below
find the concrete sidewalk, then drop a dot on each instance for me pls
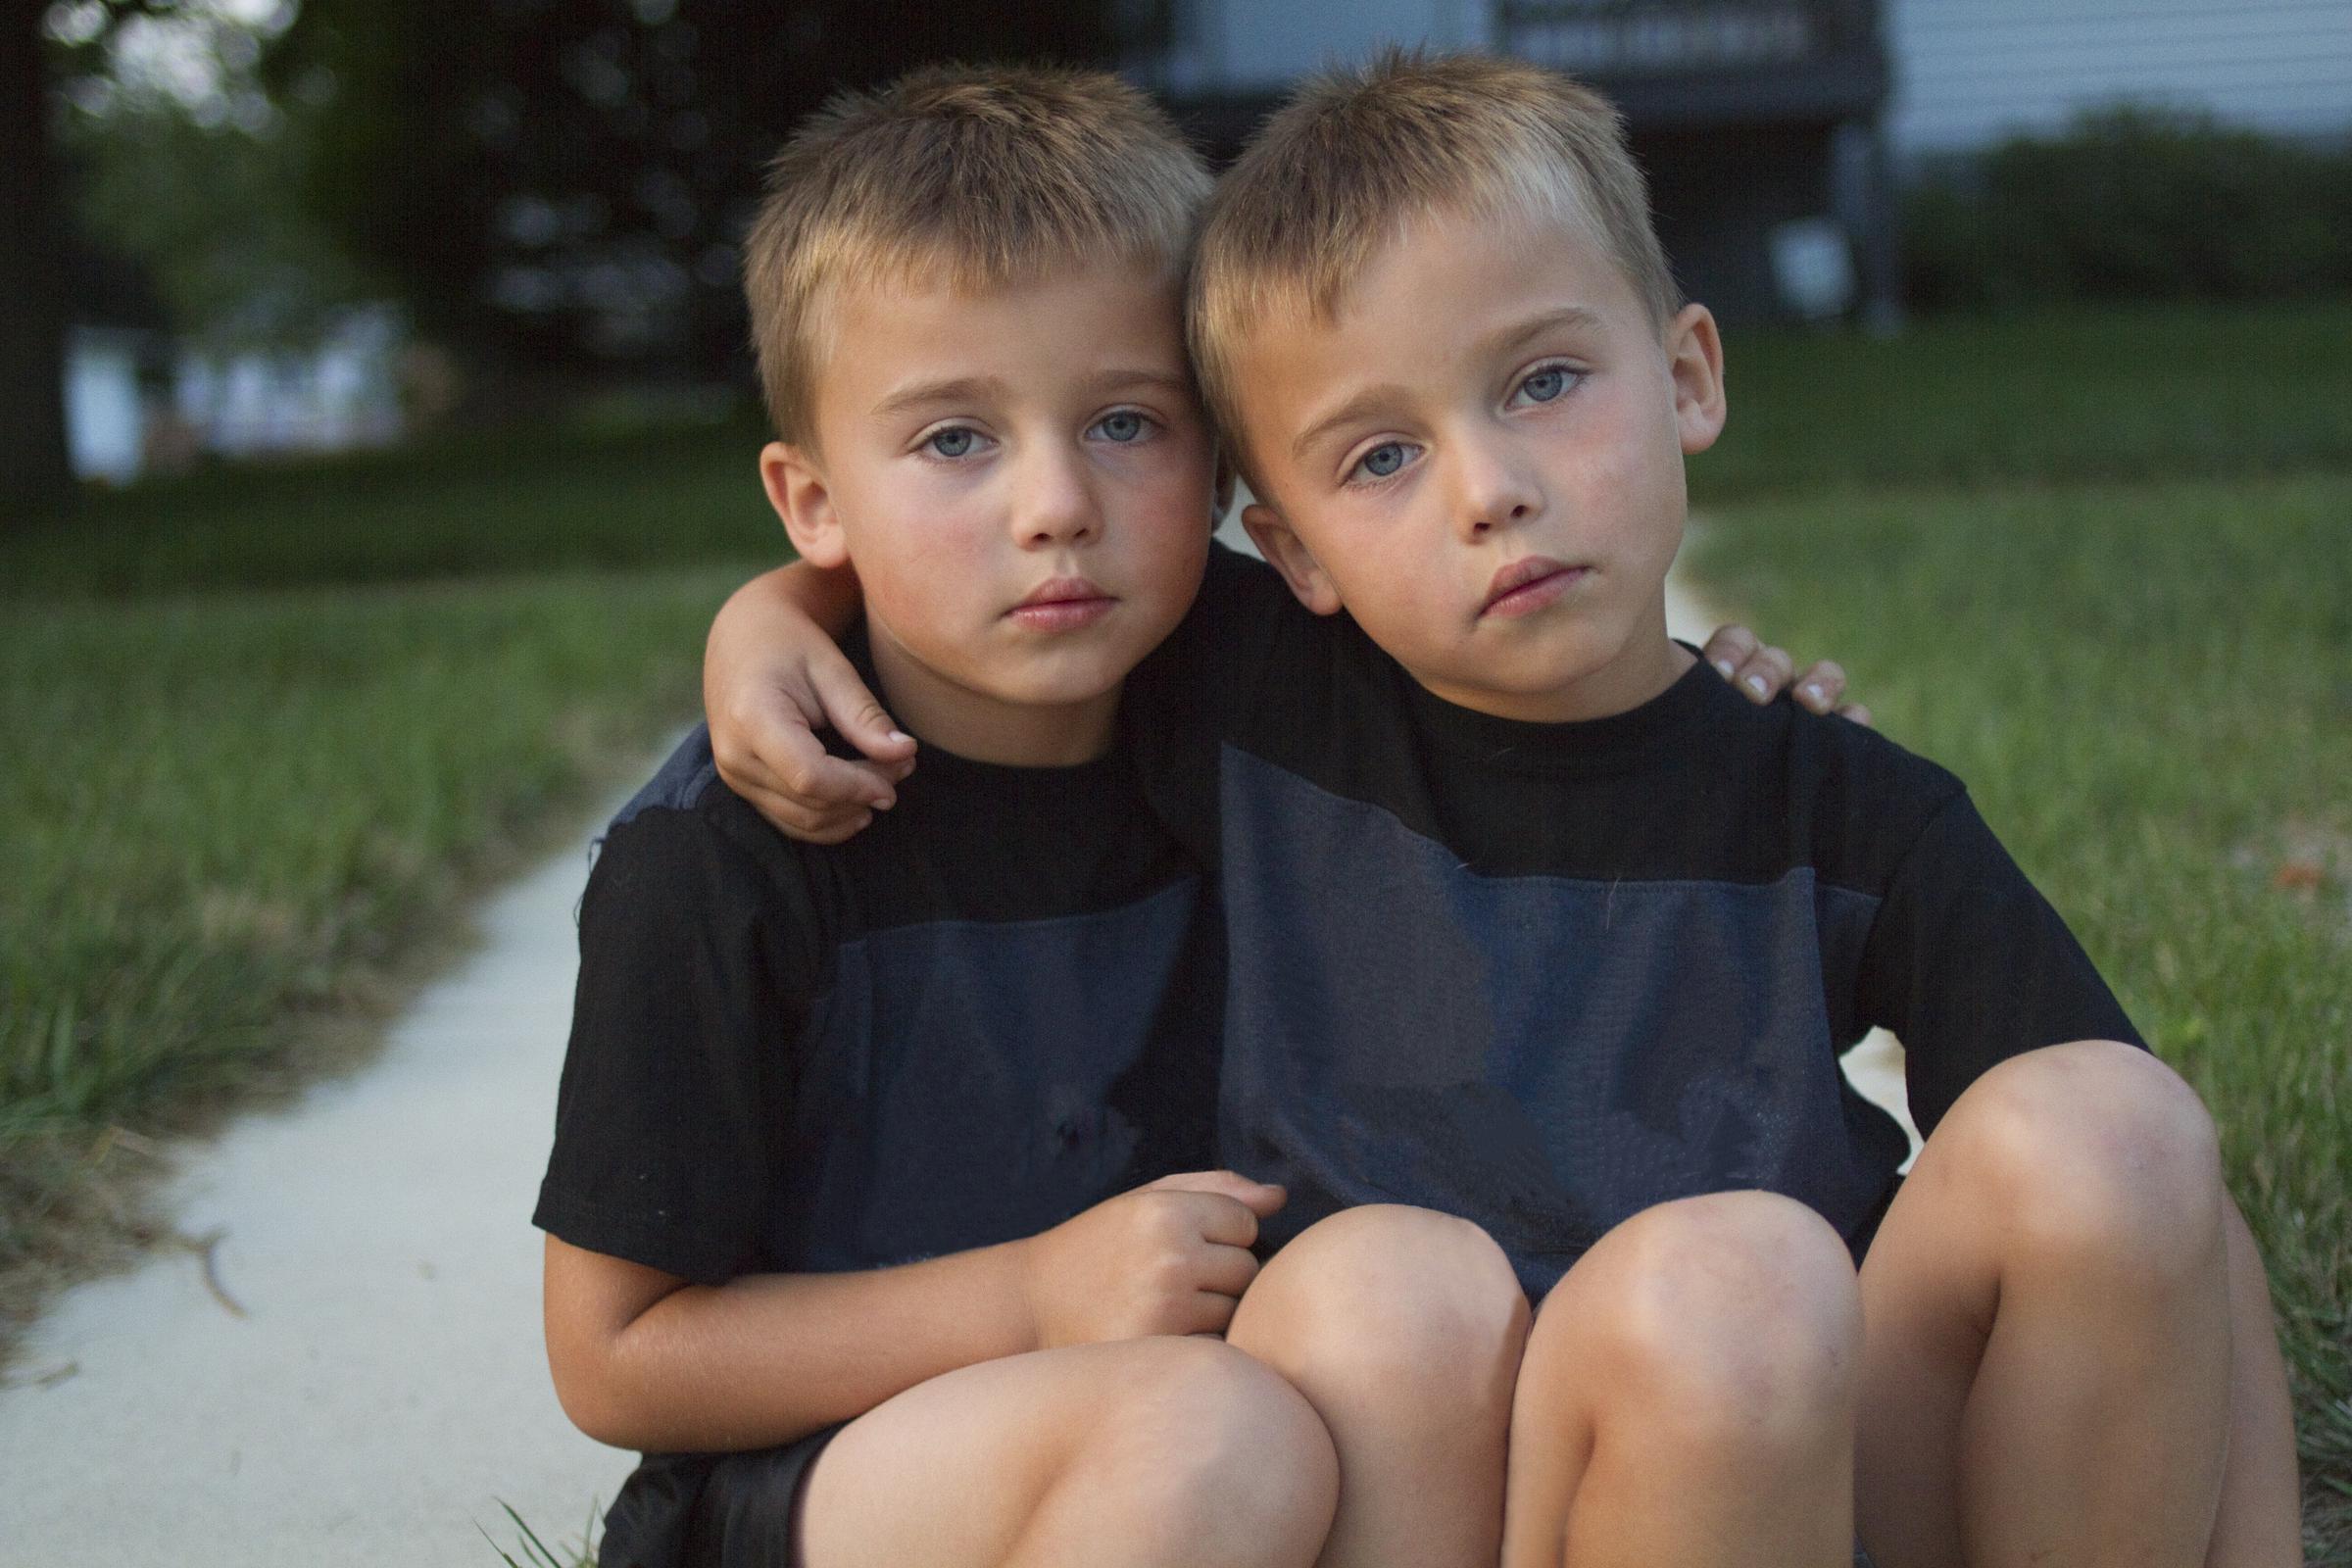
(386, 1388)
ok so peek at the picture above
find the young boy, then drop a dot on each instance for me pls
(1530, 925)
(849, 1138)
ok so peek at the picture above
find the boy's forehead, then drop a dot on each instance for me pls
(1484, 267)
(900, 324)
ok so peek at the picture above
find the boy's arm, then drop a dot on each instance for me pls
(645, 1359)
(773, 674)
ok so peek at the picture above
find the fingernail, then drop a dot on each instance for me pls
(1754, 683)
(883, 803)
(899, 735)
(1723, 668)
(1812, 693)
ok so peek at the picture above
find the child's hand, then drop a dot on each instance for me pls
(771, 678)
(1761, 674)
(1169, 1257)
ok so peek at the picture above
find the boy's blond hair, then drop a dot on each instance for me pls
(974, 176)
(1356, 155)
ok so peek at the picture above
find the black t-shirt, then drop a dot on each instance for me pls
(992, 1009)
(1547, 975)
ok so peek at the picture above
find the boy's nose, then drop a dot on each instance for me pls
(1055, 505)
(1493, 493)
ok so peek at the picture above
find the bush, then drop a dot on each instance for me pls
(2131, 203)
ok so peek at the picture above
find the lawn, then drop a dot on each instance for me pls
(2148, 687)
(2124, 393)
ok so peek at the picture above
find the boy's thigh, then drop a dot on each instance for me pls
(952, 1471)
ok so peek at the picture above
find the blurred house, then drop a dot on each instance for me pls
(1773, 130)
(138, 401)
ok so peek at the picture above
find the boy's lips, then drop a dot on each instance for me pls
(1062, 604)
(1527, 585)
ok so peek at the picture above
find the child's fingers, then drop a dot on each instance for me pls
(1227, 1270)
(1819, 687)
(1729, 649)
(1764, 674)
(854, 712)
(789, 758)
(810, 826)
(1260, 1197)
(1210, 1313)
(1859, 713)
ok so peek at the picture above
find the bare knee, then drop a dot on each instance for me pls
(1201, 1443)
(1728, 1321)
(1406, 1300)
(2100, 1157)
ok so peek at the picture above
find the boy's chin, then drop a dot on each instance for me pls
(1079, 683)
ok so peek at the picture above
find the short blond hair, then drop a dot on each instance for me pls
(974, 176)
(1357, 155)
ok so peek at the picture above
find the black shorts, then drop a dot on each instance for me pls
(711, 1510)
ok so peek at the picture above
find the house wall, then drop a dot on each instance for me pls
(1968, 72)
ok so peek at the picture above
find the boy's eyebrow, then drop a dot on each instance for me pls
(958, 389)
(1363, 405)
(1504, 339)
(967, 388)
(1166, 380)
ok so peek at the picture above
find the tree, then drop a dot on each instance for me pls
(563, 185)
(52, 54)
(34, 465)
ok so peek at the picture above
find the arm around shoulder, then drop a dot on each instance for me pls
(772, 675)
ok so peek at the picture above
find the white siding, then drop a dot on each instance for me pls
(1969, 71)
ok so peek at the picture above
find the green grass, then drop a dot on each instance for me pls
(220, 800)
(2149, 691)
(2119, 393)
(459, 505)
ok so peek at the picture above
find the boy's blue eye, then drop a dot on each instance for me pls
(1546, 384)
(1125, 424)
(1382, 460)
(954, 442)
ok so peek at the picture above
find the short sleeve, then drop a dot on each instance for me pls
(677, 1077)
(1969, 964)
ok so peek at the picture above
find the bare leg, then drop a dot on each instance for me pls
(2047, 1326)
(2261, 1520)
(1404, 1328)
(1687, 1397)
(1131, 1454)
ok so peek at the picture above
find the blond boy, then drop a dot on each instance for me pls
(1542, 951)
(844, 1218)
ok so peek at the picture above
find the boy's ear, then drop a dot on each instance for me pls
(796, 487)
(1694, 359)
(1288, 554)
